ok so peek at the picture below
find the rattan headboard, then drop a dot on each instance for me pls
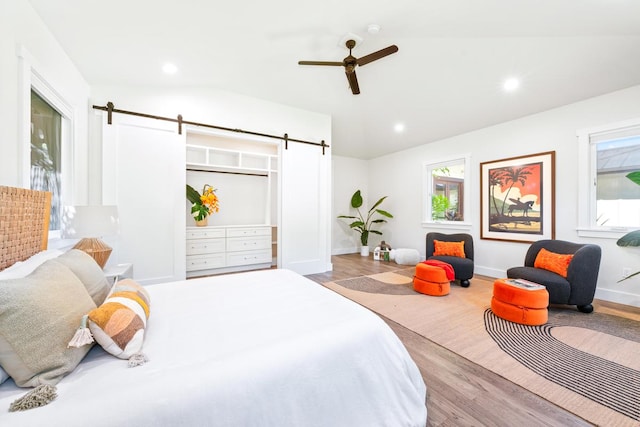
(24, 224)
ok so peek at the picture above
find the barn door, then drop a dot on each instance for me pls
(306, 207)
(144, 175)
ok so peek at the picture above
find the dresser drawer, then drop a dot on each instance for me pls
(205, 246)
(205, 233)
(205, 262)
(249, 257)
(249, 231)
(248, 243)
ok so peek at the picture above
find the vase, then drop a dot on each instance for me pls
(364, 250)
(203, 222)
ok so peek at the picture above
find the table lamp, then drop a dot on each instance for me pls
(89, 224)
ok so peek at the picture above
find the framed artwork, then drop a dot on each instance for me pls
(517, 198)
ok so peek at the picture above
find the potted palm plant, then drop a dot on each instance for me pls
(363, 225)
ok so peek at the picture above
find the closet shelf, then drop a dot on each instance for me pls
(200, 157)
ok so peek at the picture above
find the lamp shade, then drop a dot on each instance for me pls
(89, 221)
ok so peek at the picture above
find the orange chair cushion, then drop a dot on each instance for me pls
(431, 288)
(519, 314)
(557, 263)
(538, 298)
(431, 273)
(441, 248)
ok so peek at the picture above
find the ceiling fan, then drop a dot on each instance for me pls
(350, 62)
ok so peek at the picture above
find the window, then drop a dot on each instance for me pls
(45, 137)
(612, 200)
(444, 190)
(46, 153)
(617, 197)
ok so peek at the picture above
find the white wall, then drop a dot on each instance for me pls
(551, 130)
(243, 197)
(23, 33)
(348, 175)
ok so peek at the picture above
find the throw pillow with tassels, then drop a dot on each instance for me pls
(118, 325)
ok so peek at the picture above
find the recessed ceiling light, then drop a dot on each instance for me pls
(399, 127)
(511, 84)
(373, 28)
(169, 68)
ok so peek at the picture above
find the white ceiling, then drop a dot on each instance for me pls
(445, 79)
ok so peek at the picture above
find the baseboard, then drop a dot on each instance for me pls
(618, 297)
(345, 251)
(489, 272)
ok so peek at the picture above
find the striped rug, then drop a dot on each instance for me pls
(588, 364)
(608, 383)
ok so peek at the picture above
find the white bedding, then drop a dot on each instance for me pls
(264, 348)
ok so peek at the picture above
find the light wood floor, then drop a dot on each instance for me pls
(459, 392)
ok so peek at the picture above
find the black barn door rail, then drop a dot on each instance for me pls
(109, 108)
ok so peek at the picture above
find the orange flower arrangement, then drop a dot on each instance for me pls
(205, 204)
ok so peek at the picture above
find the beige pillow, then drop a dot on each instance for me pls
(89, 273)
(40, 314)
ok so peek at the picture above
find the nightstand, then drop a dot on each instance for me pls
(113, 273)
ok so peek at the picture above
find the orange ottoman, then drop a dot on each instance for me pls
(431, 280)
(520, 301)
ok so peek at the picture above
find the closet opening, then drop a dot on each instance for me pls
(243, 170)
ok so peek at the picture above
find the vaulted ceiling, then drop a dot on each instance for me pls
(446, 79)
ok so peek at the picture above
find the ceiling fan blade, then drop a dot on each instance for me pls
(353, 82)
(333, 63)
(377, 55)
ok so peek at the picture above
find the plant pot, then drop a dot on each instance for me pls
(364, 251)
(203, 222)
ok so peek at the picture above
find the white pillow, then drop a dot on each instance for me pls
(23, 268)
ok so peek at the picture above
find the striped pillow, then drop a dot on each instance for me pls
(118, 324)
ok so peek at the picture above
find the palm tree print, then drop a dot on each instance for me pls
(495, 179)
(513, 175)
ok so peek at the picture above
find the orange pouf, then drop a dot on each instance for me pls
(448, 268)
(519, 305)
(431, 280)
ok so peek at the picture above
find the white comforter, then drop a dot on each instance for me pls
(265, 348)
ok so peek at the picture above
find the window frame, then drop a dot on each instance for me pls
(587, 186)
(30, 78)
(427, 192)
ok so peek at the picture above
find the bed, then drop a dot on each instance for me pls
(262, 348)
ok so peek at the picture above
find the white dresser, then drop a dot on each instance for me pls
(215, 250)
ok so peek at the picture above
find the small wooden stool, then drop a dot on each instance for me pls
(520, 301)
(431, 280)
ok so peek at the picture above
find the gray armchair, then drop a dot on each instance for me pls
(579, 287)
(463, 267)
